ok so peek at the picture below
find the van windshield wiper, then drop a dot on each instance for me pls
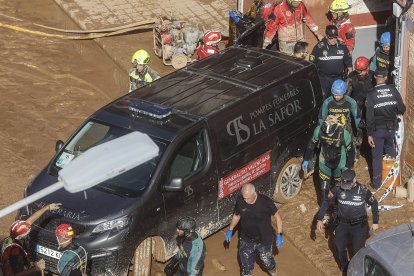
(111, 190)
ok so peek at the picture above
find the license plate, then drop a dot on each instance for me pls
(48, 252)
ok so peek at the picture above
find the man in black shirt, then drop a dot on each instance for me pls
(384, 104)
(351, 217)
(332, 59)
(254, 211)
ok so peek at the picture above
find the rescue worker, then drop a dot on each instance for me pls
(301, 49)
(359, 85)
(288, 23)
(384, 104)
(381, 58)
(341, 106)
(15, 259)
(209, 47)
(74, 257)
(339, 10)
(336, 152)
(141, 74)
(254, 212)
(350, 198)
(332, 59)
(191, 250)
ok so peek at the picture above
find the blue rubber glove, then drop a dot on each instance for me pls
(229, 233)
(279, 240)
(305, 166)
(234, 16)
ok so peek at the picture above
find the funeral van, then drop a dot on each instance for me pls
(243, 115)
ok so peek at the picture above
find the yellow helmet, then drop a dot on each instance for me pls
(141, 57)
(339, 6)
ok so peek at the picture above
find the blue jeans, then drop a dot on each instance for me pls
(248, 251)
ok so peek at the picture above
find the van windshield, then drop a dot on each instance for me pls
(129, 183)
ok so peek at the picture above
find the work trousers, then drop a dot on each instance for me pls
(248, 250)
(326, 83)
(359, 235)
(384, 141)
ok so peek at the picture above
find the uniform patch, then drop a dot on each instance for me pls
(311, 58)
(325, 53)
(321, 44)
(372, 199)
(288, 13)
(342, 195)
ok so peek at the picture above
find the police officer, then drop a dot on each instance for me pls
(336, 152)
(191, 250)
(254, 211)
(381, 59)
(359, 85)
(141, 74)
(341, 106)
(351, 215)
(332, 59)
(384, 104)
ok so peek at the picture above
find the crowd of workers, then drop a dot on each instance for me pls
(359, 104)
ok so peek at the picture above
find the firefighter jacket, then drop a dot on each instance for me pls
(346, 32)
(138, 79)
(384, 103)
(289, 23)
(351, 204)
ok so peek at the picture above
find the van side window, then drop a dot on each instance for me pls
(190, 158)
(373, 268)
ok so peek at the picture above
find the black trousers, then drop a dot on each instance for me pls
(359, 236)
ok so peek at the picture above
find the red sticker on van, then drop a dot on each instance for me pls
(246, 174)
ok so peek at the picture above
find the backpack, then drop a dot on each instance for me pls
(7, 247)
(73, 261)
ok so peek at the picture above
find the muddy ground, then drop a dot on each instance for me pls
(49, 86)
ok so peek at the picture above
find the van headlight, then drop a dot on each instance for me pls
(117, 224)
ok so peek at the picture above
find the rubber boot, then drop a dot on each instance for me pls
(273, 273)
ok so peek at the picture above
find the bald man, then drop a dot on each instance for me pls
(255, 212)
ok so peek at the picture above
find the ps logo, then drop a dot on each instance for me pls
(236, 127)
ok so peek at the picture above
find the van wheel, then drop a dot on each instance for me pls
(288, 182)
(141, 262)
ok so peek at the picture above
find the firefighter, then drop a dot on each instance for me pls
(384, 104)
(350, 198)
(14, 256)
(336, 152)
(332, 59)
(339, 10)
(301, 49)
(141, 74)
(191, 250)
(341, 106)
(254, 211)
(359, 85)
(381, 58)
(210, 44)
(288, 23)
(74, 257)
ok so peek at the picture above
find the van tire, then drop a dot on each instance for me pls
(141, 262)
(287, 180)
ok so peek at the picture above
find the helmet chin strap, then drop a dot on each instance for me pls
(62, 243)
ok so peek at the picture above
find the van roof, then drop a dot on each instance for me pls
(207, 86)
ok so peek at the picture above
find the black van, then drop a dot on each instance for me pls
(243, 115)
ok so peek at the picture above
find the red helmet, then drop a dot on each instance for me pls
(211, 37)
(64, 230)
(19, 229)
(361, 64)
(205, 51)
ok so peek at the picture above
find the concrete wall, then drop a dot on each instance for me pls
(408, 164)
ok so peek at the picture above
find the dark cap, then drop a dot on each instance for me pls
(381, 73)
(347, 179)
(331, 31)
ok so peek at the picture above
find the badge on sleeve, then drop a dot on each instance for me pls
(372, 199)
(311, 58)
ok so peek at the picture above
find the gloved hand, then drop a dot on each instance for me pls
(229, 233)
(169, 267)
(266, 43)
(305, 165)
(54, 206)
(40, 264)
(279, 240)
(233, 15)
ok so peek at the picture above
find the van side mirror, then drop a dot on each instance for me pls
(59, 144)
(175, 185)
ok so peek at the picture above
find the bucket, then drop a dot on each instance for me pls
(387, 164)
